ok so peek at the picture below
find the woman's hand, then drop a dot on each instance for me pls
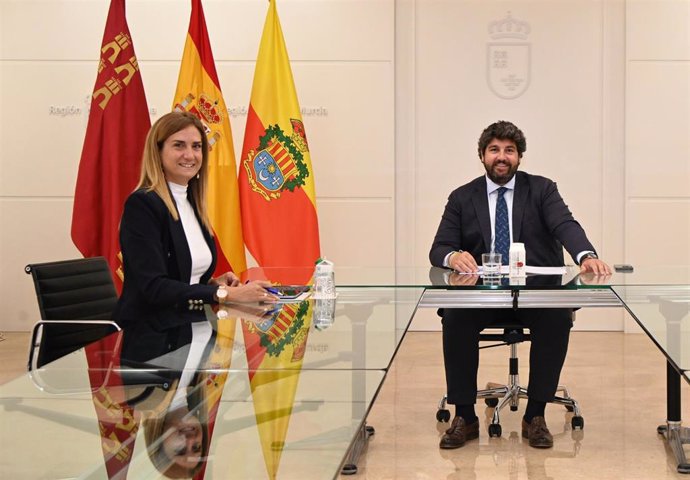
(250, 312)
(228, 279)
(254, 291)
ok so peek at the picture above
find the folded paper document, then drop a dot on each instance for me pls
(505, 270)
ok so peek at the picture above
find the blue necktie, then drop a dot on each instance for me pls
(502, 227)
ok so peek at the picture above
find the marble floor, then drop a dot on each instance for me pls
(619, 380)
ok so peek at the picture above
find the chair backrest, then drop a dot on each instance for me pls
(78, 291)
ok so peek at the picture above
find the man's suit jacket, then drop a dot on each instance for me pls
(541, 220)
(157, 267)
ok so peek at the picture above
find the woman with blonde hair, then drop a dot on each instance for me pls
(168, 250)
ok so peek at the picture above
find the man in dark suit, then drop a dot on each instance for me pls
(485, 215)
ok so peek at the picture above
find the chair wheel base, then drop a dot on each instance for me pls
(495, 430)
(577, 423)
(442, 415)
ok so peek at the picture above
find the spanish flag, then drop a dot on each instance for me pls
(214, 373)
(277, 195)
(198, 91)
(114, 142)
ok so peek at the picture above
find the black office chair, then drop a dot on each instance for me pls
(76, 299)
(498, 395)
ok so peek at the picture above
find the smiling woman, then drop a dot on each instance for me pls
(177, 437)
(169, 254)
(182, 155)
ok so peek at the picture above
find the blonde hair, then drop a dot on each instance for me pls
(153, 423)
(152, 177)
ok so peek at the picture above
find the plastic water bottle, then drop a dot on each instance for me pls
(324, 313)
(324, 279)
(324, 295)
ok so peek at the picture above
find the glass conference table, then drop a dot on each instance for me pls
(285, 395)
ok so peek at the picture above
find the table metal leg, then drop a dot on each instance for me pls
(358, 447)
(676, 435)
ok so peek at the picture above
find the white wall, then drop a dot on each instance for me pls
(403, 91)
(342, 59)
(657, 136)
(569, 105)
(657, 132)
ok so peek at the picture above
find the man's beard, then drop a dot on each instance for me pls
(501, 179)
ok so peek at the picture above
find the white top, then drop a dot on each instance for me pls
(201, 333)
(201, 254)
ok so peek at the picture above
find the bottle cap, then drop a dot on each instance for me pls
(324, 266)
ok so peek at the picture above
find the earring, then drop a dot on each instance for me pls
(197, 176)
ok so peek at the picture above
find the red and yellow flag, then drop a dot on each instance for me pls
(277, 195)
(118, 423)
(198, 91)
(113, 145)
(275, 351)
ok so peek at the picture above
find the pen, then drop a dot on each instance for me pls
(272, 290)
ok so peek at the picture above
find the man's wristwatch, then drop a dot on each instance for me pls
(588, 255)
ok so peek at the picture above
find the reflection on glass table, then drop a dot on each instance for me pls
(176, 409)
(246, 392)
(433, 277)
(663, 312)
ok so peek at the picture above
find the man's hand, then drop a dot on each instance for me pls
(595, 266)
(462, 279)
(463, 262)
(590, 278)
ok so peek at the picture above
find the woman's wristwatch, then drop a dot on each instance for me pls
(222, 294)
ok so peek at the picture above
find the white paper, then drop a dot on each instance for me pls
(505, 270)
(546, 270)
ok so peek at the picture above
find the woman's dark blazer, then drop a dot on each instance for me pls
(157, 267)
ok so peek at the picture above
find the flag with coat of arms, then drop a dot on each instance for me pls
(278, 200)
(198, 91)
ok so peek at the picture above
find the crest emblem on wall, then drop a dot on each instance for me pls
(508, 57)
